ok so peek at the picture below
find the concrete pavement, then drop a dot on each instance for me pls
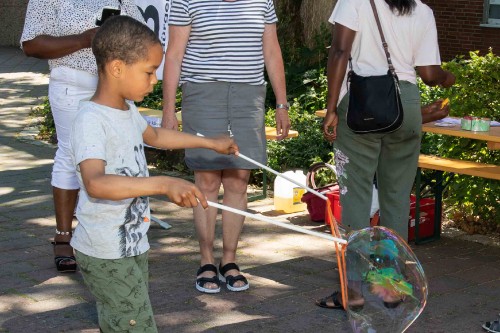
(287, 270)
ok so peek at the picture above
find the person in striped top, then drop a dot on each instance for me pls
(217, 52)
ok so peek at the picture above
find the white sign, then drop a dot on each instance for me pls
(156, 13)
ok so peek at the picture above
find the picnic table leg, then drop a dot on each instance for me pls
(264, 189)
(417, 205)
(438, 204)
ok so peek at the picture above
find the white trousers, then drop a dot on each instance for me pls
(67, 87)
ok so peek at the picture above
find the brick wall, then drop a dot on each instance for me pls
(458, 24)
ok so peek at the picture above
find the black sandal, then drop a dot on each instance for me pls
(231, 279)
(64, 264)
(322, 302)
(201, 281)
(337, 303)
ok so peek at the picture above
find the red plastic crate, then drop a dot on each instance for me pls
(426, 225)
(334, 198)
(317, 206)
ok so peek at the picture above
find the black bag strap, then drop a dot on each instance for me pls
(384, 43)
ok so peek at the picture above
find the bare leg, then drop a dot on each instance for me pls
(64, 205)
(235, 183)
(204, 219)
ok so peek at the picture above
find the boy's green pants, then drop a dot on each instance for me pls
(392, 156)
(120, 287)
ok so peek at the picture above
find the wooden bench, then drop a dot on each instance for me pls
(458, 166)
(441, 165)
(270, 135)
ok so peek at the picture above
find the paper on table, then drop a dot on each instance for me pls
(448, 120)
(456, 121)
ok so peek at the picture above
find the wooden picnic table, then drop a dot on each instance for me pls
(492, 137)
(442, 164)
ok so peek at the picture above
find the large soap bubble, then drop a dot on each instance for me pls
(386, 285)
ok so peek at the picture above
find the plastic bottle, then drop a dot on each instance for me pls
(287, 195)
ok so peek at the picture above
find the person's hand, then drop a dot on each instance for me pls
(282, 124)
(169, 121)
(185, 194)
(435, 111)
(449, 81)
(87, 36)
(224, 144)
(330, 126)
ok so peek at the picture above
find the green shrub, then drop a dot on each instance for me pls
(310, 146)
(475, 93)
(47, 126)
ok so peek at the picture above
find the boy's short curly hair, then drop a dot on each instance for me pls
(123, 38)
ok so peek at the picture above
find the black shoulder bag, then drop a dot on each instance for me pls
(374, 101)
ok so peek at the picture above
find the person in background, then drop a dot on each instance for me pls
(62, 31)
(411, 35)
(431, 112)
(107, 148)
(217, 52)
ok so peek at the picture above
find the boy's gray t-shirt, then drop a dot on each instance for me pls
(110, 229)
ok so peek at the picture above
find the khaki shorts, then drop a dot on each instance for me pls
(120, 287)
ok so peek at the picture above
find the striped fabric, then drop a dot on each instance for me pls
(226, 39)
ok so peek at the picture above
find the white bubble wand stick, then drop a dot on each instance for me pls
(340, 243)
(278, 223)
(268, 220)
(322, 196)
(260, 165)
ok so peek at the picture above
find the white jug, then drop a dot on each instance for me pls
(287, 195)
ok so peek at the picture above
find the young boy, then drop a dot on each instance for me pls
(107, 142)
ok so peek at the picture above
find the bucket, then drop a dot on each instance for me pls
(287, 195)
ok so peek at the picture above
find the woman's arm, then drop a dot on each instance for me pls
(276, 72)
(338, 57)
(434, 75)
(50, 47)
(178, 39)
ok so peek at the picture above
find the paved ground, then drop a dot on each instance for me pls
(287, 270)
